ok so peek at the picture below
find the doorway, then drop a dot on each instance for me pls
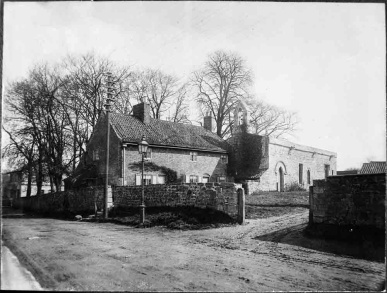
(281, 179)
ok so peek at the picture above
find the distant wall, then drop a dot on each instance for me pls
(220, 196)
(357, 200)
(73, 201)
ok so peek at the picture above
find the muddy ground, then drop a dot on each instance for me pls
(265, 254)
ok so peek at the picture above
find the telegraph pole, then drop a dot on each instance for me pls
(107, 107)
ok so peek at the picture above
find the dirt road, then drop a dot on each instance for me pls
(266, 254)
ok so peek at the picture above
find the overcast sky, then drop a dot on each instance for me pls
(325, 61)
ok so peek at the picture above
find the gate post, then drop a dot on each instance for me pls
(310, 204)
(241, 206)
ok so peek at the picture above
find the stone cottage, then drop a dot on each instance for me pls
(191, 153)
(196, 154)
(270, 164)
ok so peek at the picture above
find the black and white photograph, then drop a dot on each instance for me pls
(219, 146)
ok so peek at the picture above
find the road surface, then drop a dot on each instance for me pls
(264, 255)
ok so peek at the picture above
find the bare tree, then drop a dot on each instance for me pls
(87, 75)
(164, 93)
(269, 120)
(220, 84)
(179, 111)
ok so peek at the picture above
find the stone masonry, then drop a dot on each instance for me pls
(357, 200)
(289, 156)
(220, 196)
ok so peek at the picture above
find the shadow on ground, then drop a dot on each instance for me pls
(297, 236)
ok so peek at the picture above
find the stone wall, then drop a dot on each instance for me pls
(73, 201)
(220, 196)
(357, 200)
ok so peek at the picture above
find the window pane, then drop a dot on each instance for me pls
(161, 179)
(193, 179)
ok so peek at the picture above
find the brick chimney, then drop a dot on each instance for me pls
(142, 112)
(207, 123)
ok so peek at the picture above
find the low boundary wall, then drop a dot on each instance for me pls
(356, 200)
(73, 201)
(219, 196)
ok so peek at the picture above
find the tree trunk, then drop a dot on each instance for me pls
(29, 181)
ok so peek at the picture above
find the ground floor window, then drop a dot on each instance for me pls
(308, 176)
(206, 179)
(222, 179)
(193, 179)
(150, 179)
(161, 179)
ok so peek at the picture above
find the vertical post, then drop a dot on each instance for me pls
(107, 105)
(311, 204)
(241, 206)
(142, 206)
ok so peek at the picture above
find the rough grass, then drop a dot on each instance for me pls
(271, 204)
(185, 218)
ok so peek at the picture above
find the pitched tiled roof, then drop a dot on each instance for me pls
(165, 133)
(373, 167)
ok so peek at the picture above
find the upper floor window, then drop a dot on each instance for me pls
(193, 179)
(148, 154)
(222, 179)
(224, 159)
(308, 176)
(194, 156)
(95, 155)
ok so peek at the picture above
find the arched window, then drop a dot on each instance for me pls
(308, 176)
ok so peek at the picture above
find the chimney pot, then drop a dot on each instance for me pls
(207, 123)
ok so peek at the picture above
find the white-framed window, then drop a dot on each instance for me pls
(193, 156)
(147, 179)
(222, 178)
(161, 179)
(148, 154)
(224, 159)
(206, 178)
(95, 155)
(193, 179)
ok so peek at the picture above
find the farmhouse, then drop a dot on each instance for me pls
(177, 151)
(186, 153)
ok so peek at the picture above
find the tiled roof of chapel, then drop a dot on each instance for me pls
(165, 133)
(373, 168)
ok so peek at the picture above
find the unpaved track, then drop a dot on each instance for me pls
(91, 256)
